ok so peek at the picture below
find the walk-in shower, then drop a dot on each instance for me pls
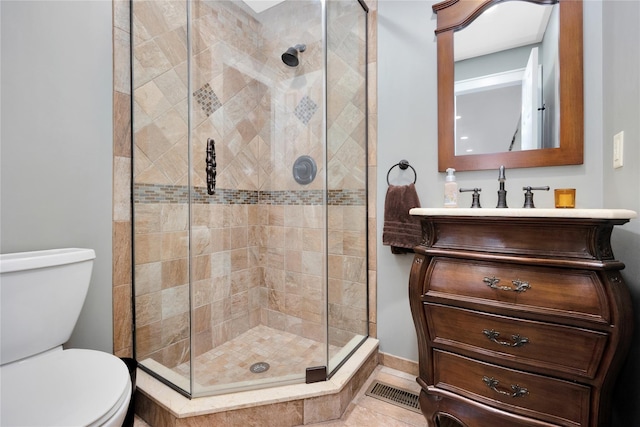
(249, 190)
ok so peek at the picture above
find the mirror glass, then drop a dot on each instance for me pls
(505, 89)
(516, 99)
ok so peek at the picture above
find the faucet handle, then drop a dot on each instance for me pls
(528, 195)
(476, 196)
(501, 175)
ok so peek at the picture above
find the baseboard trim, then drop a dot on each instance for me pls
(399, 363)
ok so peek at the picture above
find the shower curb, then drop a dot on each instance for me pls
(291, 405)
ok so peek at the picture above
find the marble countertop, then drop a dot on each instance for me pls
(531, 213)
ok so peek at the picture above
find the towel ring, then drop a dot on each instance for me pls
(403, 165)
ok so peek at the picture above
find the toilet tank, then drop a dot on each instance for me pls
(41, 295)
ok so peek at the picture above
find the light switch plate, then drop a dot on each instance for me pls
(618, 150)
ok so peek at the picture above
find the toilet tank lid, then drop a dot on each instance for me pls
(20, 261)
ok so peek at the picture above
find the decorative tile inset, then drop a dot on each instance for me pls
(305, 109)
(207, 99)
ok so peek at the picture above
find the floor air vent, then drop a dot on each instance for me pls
(394, 395)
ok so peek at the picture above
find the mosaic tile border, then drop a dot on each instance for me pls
(166, 193)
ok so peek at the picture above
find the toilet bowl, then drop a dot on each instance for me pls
(43, 384)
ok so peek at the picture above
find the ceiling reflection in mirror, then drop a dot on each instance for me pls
(506, 73)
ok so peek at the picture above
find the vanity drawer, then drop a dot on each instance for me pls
(549, 399)
(571, 294)
(554, 348)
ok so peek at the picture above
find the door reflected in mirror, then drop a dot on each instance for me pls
(506, 73)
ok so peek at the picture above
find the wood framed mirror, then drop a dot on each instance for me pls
(565, 144)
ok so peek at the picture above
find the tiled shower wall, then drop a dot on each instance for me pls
(258, 279)
(122, 248)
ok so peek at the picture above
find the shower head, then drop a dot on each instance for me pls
(290, 57)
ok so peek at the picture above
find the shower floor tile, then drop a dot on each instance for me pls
(287, 355)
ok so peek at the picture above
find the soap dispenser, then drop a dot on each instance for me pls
(450, 190)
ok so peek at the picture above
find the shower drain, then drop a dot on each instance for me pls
(259, 367)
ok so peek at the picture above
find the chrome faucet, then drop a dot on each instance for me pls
(502, 193)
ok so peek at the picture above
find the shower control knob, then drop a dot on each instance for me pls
(304, 170)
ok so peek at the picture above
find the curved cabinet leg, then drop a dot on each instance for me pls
(435, 414)
(429, 408)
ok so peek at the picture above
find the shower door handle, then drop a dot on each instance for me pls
(211, 166)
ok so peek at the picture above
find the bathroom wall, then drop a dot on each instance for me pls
(621, 110)
(56, 166)
(409, 130)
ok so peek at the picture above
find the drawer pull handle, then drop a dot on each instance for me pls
(517, 391)
(493, 335)
(520, 286)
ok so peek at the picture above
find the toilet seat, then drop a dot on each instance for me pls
(72, 387)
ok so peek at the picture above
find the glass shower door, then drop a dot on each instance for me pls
(161, 189)
(258, 240)
(347, 225)
(249, 187)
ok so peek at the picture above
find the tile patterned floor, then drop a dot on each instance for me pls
(368, 411)
(287, 354)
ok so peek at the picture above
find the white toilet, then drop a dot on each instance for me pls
(42, 294)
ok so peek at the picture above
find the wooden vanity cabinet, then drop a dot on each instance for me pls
(520, 321)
